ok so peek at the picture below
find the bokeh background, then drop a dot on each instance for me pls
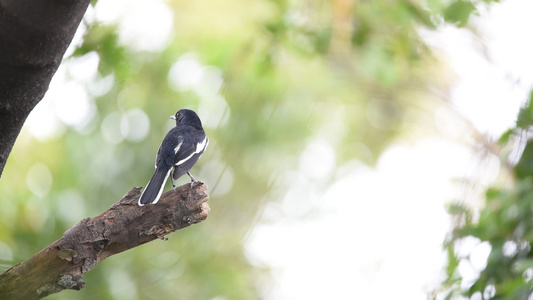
(351, 147)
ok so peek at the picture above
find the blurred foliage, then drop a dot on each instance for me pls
(504, 224)
(349, 73)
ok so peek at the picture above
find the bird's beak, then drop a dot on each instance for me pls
(173, 117)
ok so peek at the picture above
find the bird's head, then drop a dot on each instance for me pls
(187, 117)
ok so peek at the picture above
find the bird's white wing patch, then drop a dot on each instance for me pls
(199, 148)
(177, 148)
(184, 160)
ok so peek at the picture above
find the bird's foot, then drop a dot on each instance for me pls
(193, 183)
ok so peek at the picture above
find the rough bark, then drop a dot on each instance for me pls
(34, 35)
(123, 226)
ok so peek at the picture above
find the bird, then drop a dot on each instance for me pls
(180, 150)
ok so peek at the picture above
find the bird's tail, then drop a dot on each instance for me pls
(155, 186)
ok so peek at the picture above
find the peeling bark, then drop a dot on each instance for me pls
(123, 226)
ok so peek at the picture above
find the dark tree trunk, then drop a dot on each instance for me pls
(34, 35)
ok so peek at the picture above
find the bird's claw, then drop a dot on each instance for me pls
(195, 181)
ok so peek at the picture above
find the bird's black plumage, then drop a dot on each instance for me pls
(179, 151)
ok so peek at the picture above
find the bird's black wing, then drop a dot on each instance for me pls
(194, 142)
(171, 144)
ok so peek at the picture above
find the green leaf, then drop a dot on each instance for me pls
(459, 12)
(504, 138)
(453, 262)
(525, 116)
(524, 168)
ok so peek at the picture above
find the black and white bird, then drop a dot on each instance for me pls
(178, 152)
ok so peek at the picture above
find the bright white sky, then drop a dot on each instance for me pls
(391, 235)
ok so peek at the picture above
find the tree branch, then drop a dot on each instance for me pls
(123, 226)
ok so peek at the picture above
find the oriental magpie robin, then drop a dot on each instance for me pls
(178, 152)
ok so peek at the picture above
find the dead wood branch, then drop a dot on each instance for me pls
(123, 226)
